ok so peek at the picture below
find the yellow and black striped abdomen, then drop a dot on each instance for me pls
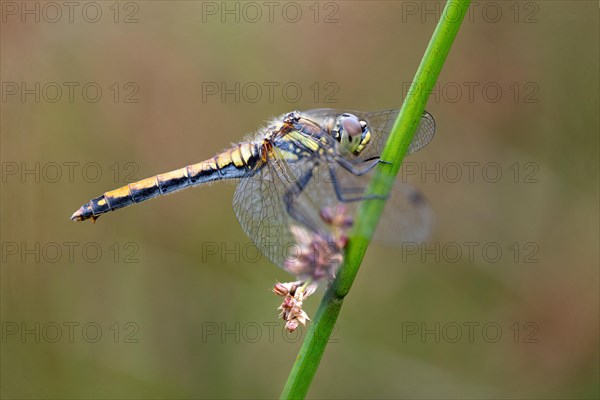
(230, 164)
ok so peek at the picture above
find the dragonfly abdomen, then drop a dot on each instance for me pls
(230, 164)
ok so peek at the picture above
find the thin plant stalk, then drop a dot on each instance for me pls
(313, 347)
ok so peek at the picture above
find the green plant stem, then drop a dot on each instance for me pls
(368, 215)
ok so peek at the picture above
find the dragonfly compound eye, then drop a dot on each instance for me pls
(352, 133)
(365, 137)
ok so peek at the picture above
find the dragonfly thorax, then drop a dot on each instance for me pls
(352, 133)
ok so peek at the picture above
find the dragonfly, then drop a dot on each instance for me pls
(297, 175)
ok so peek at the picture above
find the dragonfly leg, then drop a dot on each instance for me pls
(290, 195)
(342, 193)
(377, 158)
(359, 168)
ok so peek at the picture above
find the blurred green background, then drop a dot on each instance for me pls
(140, 305)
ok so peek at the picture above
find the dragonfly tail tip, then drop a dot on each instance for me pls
(84, 212)
(77, 216)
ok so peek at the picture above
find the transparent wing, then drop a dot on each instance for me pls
(262, 206)
(381, 123)
(407, 217)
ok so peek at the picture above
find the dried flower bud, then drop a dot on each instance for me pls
(292, 325)
(302, 317)
(291, 307)
(280, 290)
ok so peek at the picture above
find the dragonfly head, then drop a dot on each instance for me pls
(352, 132)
